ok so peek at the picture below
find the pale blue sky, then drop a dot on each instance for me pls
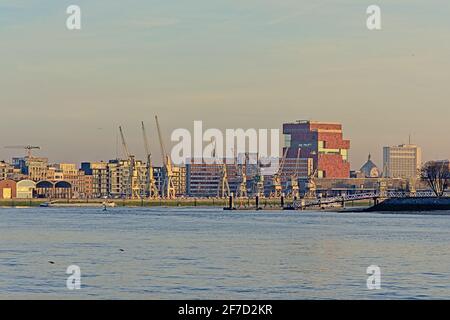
(246, 63)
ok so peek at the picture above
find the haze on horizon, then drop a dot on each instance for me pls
(232, 64)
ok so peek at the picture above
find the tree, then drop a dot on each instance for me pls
(437, 175)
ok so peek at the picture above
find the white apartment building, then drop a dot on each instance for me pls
(403, 161)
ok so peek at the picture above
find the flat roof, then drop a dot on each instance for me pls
(314, 122)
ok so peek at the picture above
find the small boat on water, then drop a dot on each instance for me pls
(46, 204)
(109, 204)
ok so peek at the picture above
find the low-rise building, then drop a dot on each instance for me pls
(25, 189)
(8, 189)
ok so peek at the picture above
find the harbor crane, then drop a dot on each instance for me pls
(295, 190)
(224, 185)
(28, 148)
(132, 188)
(151, 190)
(311, 187)
(241, 190)
(258, 182)
(277, 189)
(223, 189)
(168, 187)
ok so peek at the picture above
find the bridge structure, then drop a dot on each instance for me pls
(376, 196)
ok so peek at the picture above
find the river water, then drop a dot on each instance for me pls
(207, 253)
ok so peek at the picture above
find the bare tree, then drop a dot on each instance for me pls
(437, 175)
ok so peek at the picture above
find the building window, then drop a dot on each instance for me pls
(287, 140)
(321, 174)
(344, 154)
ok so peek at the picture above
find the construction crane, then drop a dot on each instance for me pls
(27, 148)
(277, 188)
(168, 187)
(150, 182)
(132, 188)
(295, 190)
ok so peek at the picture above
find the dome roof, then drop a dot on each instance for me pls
(369, 169)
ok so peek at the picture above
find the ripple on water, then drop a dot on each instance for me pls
(191, 253)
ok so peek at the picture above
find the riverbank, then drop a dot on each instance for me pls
(138, 202)
(219, 203)
(412, 204)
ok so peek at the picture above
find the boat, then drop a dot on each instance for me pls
(109, 204)
(46, 204)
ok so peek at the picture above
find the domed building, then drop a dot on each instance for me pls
(370, 170)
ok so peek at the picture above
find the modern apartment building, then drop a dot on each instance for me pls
(99, 173)
(203, 179)
(6, 170)
(35, 168)
(120, 178)
(402, 161)
(179, 174)
(321, 141)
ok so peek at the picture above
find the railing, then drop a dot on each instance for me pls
(362, 196)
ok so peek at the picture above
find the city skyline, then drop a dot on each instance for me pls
(119, 153)
(231, 64)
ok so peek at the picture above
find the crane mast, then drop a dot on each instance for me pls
(295, 190)
(258, 182)
(223, 187)
(168, 188)
(276, 179)
(241, 190)
(150, 183)
(132, 187)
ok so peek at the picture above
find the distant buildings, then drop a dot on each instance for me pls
(8, 189)
(445, 163)
(204, 179)
(26, 189)
(6, 170)
(179, 179)
(99, 173)
(403, 161)
(36, 168)
(369, 169)
(113, 179)
(312, 149)
(321, 141)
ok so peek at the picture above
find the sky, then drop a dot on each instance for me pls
(229, 63)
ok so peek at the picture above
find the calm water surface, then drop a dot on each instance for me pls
(181, 253)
